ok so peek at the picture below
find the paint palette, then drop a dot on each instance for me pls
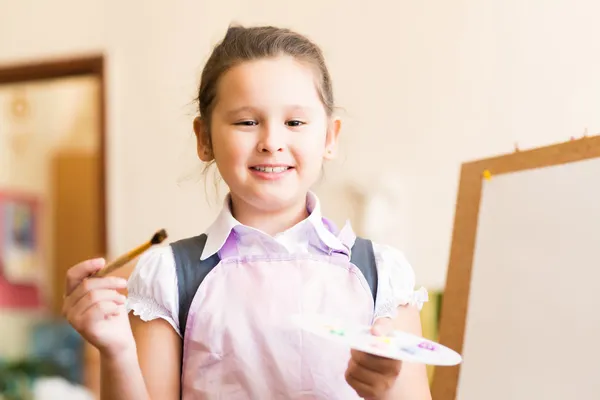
(399, 345)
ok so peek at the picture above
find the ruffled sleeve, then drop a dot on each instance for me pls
(152, 287)
(396, 282)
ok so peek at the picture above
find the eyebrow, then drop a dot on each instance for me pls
(296, 107)
(250, 109)
(238, 110)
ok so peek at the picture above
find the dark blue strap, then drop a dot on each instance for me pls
(191, 271)
(363, 257)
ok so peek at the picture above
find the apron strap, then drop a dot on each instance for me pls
(362, 254)
(229, 248)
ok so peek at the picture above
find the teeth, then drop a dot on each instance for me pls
(271, 169)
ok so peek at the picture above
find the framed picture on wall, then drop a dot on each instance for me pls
(20, 250)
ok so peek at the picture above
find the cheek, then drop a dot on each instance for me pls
(311, 153)
(231, 148)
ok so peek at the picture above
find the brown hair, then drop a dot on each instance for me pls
(246, 44)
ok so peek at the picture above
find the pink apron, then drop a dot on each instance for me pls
(239, 340)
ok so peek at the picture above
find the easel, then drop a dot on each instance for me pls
(456, 295)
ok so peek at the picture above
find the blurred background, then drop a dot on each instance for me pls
(97, 148)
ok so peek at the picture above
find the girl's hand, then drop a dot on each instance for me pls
(372, 377)
(96, 310)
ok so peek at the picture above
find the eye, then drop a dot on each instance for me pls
(294, 123)
(247, 123)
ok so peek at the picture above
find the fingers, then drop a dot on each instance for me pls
(365, 382)
(91, 285)
(382, 326)
(359, 374)
(96, 312)
(377, 364)
(362, 389)
(77, 273)
(371, 376)
(92, 298)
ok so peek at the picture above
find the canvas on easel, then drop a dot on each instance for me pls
(520, 303)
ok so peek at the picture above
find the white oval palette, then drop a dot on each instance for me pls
(398, 346)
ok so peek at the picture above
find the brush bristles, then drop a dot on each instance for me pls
(159, 237)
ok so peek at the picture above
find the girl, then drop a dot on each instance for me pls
(209, 317)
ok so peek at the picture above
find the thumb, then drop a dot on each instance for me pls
(76, 274)
(382, 326)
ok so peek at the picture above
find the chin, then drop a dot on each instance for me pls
(274, 198)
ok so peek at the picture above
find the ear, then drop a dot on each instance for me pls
(203, 143)
(331, 142)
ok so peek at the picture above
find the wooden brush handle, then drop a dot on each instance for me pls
(124, 259)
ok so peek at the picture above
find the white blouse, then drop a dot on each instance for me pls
(152, 286)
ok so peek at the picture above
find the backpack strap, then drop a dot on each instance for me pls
(191, 271)
(363, 256)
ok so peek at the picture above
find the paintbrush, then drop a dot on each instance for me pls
(125, 258)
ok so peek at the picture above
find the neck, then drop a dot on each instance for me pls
(271, 222)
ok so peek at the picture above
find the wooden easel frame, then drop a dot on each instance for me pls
(456, 294)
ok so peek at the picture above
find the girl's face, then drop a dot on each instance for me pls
(270, 132)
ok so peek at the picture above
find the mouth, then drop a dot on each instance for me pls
(271, 169)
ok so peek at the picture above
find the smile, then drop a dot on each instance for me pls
(274, 170)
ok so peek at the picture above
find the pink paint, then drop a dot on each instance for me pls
(428, 346)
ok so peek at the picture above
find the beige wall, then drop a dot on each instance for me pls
(425, 86)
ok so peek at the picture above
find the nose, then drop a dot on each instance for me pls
(271, 140)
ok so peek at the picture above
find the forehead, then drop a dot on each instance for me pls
(269, 82)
